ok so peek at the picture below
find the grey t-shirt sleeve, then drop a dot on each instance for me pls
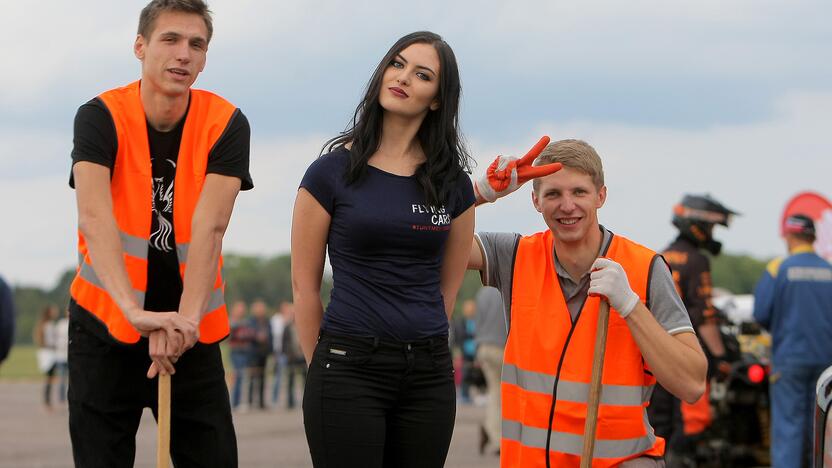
(664, 301)
(498, 250)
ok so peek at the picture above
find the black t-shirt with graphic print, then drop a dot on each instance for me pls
(95, 141)
(164, 285)
(385, 246)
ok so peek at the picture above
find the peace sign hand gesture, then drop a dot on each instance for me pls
(507, 173)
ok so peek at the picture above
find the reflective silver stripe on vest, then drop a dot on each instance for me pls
(131, 245)
(87, 272)
(134, 246)
(89, 275)
(216, 301)
(538, 382)
(572, 444)
(182, 252)
(137, 247)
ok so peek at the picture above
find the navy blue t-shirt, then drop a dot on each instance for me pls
(385, 246)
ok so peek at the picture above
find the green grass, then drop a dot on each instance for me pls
(20, 364)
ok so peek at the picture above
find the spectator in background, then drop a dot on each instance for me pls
(61, 354)
(295, 361)
(793, 300)
(6, 319)
(45, 338)
(695, 217)
(240, 338)
(278, 322)
(464, 334)
(491, 341)
(261, 348)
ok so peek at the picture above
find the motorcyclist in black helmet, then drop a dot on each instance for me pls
(695, 218)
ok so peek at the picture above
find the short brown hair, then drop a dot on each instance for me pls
(575, 154)
(807, 238)
(147, 19)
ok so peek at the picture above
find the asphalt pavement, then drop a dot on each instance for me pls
(33, 437)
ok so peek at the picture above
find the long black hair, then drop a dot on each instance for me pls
(444, 148)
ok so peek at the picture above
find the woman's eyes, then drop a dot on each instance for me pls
(421, 75)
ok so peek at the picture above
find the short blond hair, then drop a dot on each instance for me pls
(574, 154)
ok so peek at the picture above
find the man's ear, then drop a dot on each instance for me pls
(602, 196)
(535, 202)
(138, 47)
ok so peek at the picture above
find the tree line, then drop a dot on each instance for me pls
(269, 278)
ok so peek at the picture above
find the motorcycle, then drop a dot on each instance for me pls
(739, 433)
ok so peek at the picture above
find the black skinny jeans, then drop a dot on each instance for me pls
(374, 403)
(108, 390)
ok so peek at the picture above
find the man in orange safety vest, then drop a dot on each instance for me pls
(156, 169)
(552, 283)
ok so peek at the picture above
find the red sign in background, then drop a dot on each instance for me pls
(817, 207)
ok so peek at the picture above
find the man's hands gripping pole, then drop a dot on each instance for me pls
(609, 279)
(170, 334)
(507, 173)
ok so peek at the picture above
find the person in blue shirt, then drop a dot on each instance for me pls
(240, 339)
(464, 338)
(7, 317)
(261, 349)
(392, 205)
(793, 300)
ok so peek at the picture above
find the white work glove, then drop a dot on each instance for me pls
(608, 279)
(507, 173)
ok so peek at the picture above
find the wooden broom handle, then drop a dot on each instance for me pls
(595, 384)
(163, 420)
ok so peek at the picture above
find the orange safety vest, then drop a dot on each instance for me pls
(696, 417)
(132, 194)
(547, 354)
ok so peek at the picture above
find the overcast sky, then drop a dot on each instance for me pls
(731, 98)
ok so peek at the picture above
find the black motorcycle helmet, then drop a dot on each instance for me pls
(695, 217)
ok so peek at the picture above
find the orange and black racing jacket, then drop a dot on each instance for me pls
(692, 275)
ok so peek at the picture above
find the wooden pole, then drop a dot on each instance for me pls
(595, 384)
(163, 421)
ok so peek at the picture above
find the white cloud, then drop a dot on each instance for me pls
(315, 55)
(87, 45)
(38, 239)
(47, 47)
(754, 169)
(27, 152)
(262, 217)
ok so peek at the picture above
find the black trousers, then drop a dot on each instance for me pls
(108, 390)
(665, 416)
(374, 403)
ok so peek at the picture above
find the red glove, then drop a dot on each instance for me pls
(507, 173)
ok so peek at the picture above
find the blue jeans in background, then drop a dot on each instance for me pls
(239, 361)
(792, 410)
(279, 365)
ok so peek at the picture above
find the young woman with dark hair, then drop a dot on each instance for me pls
(393, 205)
